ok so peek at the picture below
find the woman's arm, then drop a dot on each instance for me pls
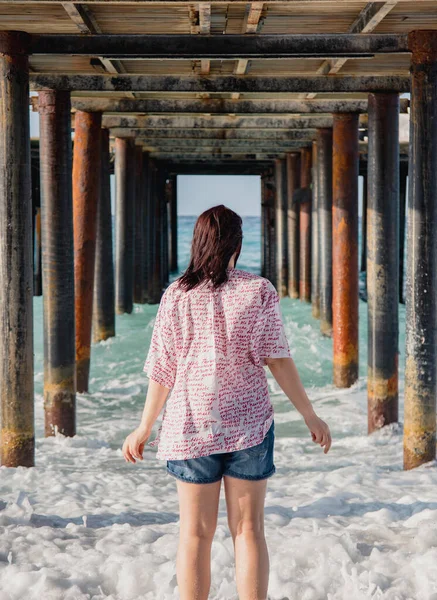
(155, 399)
(285, 372)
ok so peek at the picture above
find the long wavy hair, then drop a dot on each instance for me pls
(217, 236)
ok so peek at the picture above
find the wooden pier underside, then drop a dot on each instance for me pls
(145, 58)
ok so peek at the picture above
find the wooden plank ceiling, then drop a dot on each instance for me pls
(220, 18)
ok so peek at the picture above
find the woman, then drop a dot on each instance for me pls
(216, 328)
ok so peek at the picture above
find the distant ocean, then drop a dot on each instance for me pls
(85, 525)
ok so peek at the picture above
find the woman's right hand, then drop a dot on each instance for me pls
(320, 432)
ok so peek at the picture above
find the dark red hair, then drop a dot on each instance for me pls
(217, 236)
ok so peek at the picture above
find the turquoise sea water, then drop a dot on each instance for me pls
(116, 363)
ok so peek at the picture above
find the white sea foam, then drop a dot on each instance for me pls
(85, 525)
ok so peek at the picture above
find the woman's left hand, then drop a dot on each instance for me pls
(134, 444)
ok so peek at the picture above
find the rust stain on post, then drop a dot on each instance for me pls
(86, 189)
(345, 249)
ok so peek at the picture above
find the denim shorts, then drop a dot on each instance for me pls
(250, 463)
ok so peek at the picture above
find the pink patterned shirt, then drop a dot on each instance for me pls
(208, 346)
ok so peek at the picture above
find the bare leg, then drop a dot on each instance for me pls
(198, 504)
(245, 507)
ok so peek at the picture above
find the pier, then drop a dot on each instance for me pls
(153, 89)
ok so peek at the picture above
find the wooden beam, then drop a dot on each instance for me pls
(246, 85)
(216, 123)
(214, 134)
(250, 25)
(85, 21)
(82, 17)
(213, 106)
(250, 167)
(263, 145)
(230, 47)
(204, 18)
(346, 3)
(205, 29)
(368, 19)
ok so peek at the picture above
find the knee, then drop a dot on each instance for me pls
(248, 528)
(198, 533)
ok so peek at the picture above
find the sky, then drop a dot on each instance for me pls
(241, 193)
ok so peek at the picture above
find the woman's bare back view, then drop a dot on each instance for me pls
(215, 330)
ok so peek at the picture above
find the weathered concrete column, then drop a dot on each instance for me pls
(280, 228)
(383, 260)
(104, 294)
(345, 248)
(86, 190)
(16, 264)
(174, 224)
(315, 276)
(124, 224)
(403, 174)
(293, 177)
(139, 280)
(421, 292)
(305, 227)
(57, 263)
(324, 192)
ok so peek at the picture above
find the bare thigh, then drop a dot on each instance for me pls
(198, 507)
(245, 504)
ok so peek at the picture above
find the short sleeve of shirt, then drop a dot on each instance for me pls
(160, 362)
(268, 339)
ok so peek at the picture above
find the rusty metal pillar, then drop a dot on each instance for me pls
(86, 190)
(305, 226)
(315, 264)
(174, 224)
(363, 265)
(270, 242)
(280, 229)
(155, 275)
(37, 265)
(293, 176)
(124, 224)
(36, 225)
(148, 224)
(263, 227)
(17, 433)
(403, 174)
(104, 294)
(324, 192)
(57, 263)
(421, 292)
(383, 260)
(165, 200)
(345, 164)
(139, 282)
(271, 191)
